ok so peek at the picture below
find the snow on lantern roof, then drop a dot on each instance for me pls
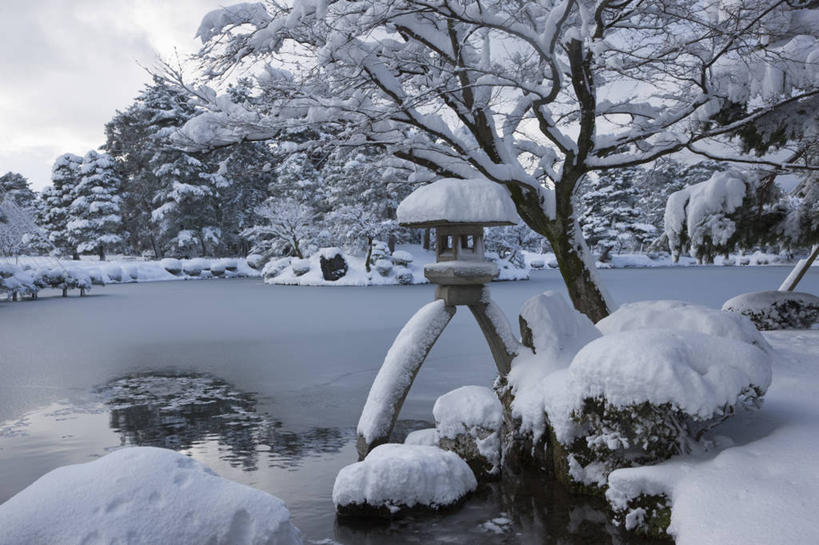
(453, 200)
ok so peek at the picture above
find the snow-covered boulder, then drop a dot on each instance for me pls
(172, 265)
(256, 261)
(537, 263)
(642, 396)
(230, 264)
(131, 272)
(394, 478)
(776, 309)
(333, 265)
(300, 266)
(383, 267)
(144, 495)
(468, 422)
(402, 258)
(458, 201)
(682, 316)
(195, 266)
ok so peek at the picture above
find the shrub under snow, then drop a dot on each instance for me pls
(172, 265)
(396, 477)
(776, 309)
(144, 495)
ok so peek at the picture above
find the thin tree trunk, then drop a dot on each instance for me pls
(102, 253)
(369, 254)
(426, 238)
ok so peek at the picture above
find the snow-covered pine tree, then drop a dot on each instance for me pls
(609, 216)
(56, 203)
(94, 221)
(16, 186)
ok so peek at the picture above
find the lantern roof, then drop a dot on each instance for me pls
(454, 201)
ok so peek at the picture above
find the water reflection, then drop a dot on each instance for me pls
(178, 411)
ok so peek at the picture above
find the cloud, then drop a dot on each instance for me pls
(66, 67)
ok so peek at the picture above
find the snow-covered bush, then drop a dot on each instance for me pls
(468, 422)
(682, 316)
(427, 436)
(144, 495)
(642, 396)
(172, 265)
(76, 279)
(131, 273)
(776, 309)
(383, 267)
(256, 261)
(275, 266)
(97, 278)
(402, 258)
(113, 272)
(300, 266)
(396, 477)
(230, 264)
(17, 282)
(217, 268)
(194, 267)
(404, 276)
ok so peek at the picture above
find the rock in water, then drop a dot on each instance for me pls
(395, 478)
(770, 310)
(144, 495)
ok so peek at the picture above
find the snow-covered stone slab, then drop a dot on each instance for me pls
(770, 310)
(397, 477)
(468, 422)
(144, 496)
(682, 316)
(452, 200)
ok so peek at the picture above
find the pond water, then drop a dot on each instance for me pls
(265, 384)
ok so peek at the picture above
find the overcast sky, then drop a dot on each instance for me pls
(67, 65)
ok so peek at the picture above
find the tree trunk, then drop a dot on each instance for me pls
(296, 248)
(369, 254)
(391, 243)
(102, 253)
(75, 255)
(572, 254)
(799, 270)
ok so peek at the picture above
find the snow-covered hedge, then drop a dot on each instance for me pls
(776, 309)
(395, 478)
(144, 495)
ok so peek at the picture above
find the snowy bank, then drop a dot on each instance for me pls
(144, 495)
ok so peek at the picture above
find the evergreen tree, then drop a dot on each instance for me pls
(15, 186)
(94, 221)
(56, 203)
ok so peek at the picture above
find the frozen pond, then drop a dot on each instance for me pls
(265, 385)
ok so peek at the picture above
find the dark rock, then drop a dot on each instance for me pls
(333, 268)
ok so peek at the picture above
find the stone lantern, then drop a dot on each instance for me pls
(458, 210)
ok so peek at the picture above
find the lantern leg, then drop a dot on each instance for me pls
(503, 343)
(401, 364)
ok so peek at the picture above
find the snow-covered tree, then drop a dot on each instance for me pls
(287, 228)
(56, 203)
(525, 93)
(15, 186)
(94, 221)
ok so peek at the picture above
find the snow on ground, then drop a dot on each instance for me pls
(398, 475)
(763, 486)
(144, 495)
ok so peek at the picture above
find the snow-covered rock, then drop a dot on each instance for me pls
(300, 266)
(770, 310)
(217, 268)
(332, 263)
(682, 316)
(256, 261)
(383, 267)
(427, 436)
(144, 495)
(397, 477)
(453, 200)
(274, 267)
(468, 422)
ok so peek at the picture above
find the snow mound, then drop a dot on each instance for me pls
(144, 495)
(770, 310)
(681, 316)
(696, 373)
(394, 477)
(458, 201)
(427, 436)
(465, 408)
